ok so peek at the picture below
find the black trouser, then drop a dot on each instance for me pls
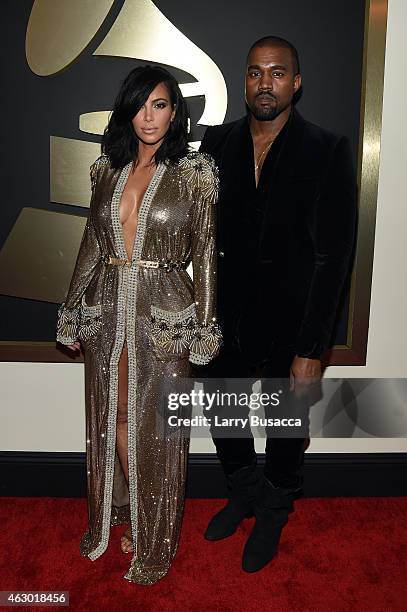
(284, 455)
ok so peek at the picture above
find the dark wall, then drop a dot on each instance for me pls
(329, 38)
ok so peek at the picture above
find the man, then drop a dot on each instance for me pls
(286, 225)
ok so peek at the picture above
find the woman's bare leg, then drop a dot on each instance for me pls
(121, 433)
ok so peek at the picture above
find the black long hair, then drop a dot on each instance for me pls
(119, 141)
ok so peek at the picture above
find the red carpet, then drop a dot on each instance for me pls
(335, 554)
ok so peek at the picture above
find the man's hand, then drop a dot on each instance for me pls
(303, 374)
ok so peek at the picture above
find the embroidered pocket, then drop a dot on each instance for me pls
(172, 331)
(90, 320)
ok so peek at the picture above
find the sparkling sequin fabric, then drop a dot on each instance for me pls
(168, 321)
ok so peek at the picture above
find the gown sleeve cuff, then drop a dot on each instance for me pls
(68, 324)
(205, 344)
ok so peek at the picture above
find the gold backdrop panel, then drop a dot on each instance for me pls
(141, 31)
(94, 123)
(39, 255)
(70, 160)
(59, 30)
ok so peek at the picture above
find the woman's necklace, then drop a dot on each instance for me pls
(257, 165)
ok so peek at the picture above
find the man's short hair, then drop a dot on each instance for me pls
(277, 41)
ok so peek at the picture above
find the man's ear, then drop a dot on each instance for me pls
(297, 82)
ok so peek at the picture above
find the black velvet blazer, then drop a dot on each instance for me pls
(284, 247)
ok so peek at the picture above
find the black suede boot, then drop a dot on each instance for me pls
(242, 486)
(272, 507)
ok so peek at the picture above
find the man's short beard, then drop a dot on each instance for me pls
(265, 114)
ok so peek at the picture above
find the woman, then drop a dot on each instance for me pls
(139, 317)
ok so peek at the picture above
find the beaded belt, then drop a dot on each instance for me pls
(145, 263)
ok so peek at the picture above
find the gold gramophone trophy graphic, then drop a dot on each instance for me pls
(38, 257)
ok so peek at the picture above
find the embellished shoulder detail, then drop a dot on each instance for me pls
(201, 176)
(102, 160)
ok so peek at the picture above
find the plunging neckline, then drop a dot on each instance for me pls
(142, 212)
(138, 211)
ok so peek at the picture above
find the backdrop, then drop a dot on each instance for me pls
(61, 70)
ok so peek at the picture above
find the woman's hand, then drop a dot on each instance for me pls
(76, 346)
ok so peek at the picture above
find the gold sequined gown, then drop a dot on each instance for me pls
(168, 321)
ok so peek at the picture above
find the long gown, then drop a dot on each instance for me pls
(168, 321)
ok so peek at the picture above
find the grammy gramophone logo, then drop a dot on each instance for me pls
(58, 31)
